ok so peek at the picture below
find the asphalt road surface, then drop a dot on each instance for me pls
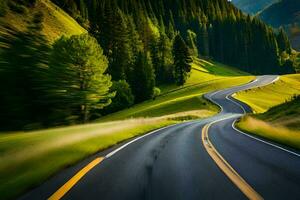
(202, 159)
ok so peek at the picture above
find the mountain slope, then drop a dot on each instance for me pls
(55, 21)
(252, 6)
(282, 13)
(285, 13)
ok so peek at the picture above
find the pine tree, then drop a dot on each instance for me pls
(114, 38)
(143, 81)
(192, 42)
(283, 41)
(78, 80)
(203, 40)
(182, 60)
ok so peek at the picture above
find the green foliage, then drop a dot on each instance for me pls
(182, 60)
(3, 7)
(17, 7)
(78, 80)
(283, 42)
(216, 29)
(156, 92)
(192, 42)
(24, 57)
(143, 78)
(123, 98)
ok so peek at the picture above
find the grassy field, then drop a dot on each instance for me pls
(55, 24)
(279, 118)
(49, 151)
(263, 98)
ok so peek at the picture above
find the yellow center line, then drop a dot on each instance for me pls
(68, 185)
(226, 168)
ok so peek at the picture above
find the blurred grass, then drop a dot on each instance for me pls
(28, 159)
(270, 131)
(286, 115)
(263, 98)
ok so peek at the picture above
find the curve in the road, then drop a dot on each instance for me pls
(173, 163)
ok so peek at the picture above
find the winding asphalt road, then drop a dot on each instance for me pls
(203, 159)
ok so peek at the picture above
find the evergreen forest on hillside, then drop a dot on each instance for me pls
(133, 47)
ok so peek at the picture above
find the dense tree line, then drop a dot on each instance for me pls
(211, 28)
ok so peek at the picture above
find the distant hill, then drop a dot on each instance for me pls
(285, 13)
(56, 22)
(252, 6)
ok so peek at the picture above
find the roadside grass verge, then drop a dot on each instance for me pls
(263, 98)
(286, 115)
(280, 123)
(28, 159)
(270, 131)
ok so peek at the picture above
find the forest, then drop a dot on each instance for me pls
(132, 47)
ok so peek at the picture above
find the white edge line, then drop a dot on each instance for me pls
(255, 138)
(236, 103)
(244, 111)
(263, 141)
(136, 139)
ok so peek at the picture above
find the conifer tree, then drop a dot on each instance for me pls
(283, 42)
(182, 60)
(143, 81)
(78, 80)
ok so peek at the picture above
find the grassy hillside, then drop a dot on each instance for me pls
(280, 124)
(287, 114)
(55, 23)
(279, 120)
(263, 98)
(270, 131)
(206, 76)
(52, 150)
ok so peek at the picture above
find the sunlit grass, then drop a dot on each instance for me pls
(189, 97)
(55, 21)
(270, 131)
(263, 98)
(27, 159)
